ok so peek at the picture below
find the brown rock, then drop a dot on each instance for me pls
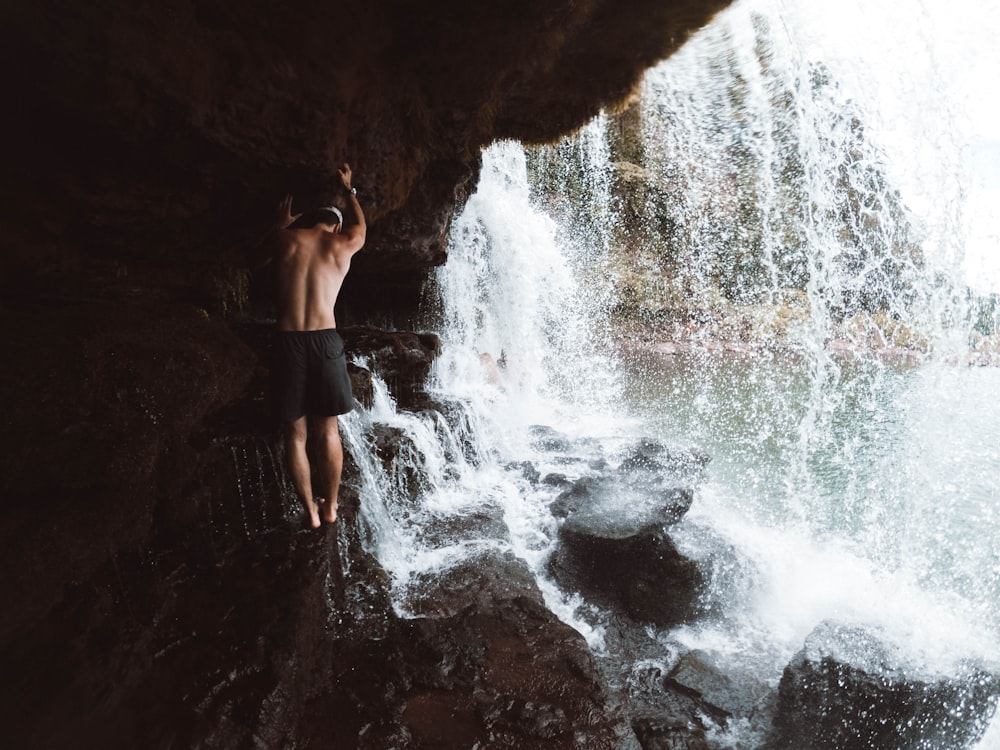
(402, 359)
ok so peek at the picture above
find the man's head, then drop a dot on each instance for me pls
(329, 215)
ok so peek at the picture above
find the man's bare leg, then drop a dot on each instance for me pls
(296, 434)
(331, 456)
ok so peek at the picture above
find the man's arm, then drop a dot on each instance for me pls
(354, 234)
(263, 253)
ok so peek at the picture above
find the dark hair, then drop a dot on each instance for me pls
(315, 216)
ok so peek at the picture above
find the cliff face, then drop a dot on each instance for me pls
(145, 146)
(155, 139)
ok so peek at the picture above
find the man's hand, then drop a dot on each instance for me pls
(356, 227)
(345, 176)
(284, 217)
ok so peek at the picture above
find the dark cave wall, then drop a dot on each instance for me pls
(149, 141)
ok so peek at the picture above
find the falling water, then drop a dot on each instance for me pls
(803, 323)
(522, 362)
(855, 451)
(783, 217)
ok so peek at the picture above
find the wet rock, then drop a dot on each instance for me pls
(555, 479)
(614, 544)
(100, 399)
(618, 507)
(402, 359)
(639, 571)
(454, 427)
(206, 634)
(663, 733)
(238, 627)
(402, 461)
(488, 663)
(548, 439)
(663, 713)
(731, 576)
(652, 484)
(361, 384)
(726, 694)
(527, 469)
(684, 465)
(478, 523)
(848, 690)
(491, 576)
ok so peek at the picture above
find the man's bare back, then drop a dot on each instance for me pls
(310, 266)
(310, 270)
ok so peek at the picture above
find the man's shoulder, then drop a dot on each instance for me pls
(332, 241)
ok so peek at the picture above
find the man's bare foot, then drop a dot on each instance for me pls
(312, 510)
(329, 510)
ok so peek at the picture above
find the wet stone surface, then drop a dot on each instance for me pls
(614, 542)
(724, 694)
(850, 689)
(652, 484)
(642, 574)
(482, 523)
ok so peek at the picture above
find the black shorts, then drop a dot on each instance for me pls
(309, 375)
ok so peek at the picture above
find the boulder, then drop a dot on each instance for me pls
(489, 663)
(482, 521)
(481, 580)
(641, 572)
(666, 715)
(549, 440)
(618, 506)
(848, 689)
(651, 484)
(527, 470)
(614, 545)
(726, 694)
(401, 461)
(669, 733)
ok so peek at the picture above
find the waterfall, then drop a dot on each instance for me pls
(788, 237)
(739, 262)
(783, 215)
(523, 364)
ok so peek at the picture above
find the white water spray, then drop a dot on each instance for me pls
(851, 487)
(840, 474)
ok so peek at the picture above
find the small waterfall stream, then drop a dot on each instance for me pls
(522, 371)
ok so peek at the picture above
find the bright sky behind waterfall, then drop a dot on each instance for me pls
(931, 69)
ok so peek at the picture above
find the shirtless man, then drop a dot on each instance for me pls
(312, 254)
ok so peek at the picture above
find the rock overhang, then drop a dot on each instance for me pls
(150, 141)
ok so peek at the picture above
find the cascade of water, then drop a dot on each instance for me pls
(781, 211)
(521, 350)
(780, 229)
(769, 218)
(510, 293)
